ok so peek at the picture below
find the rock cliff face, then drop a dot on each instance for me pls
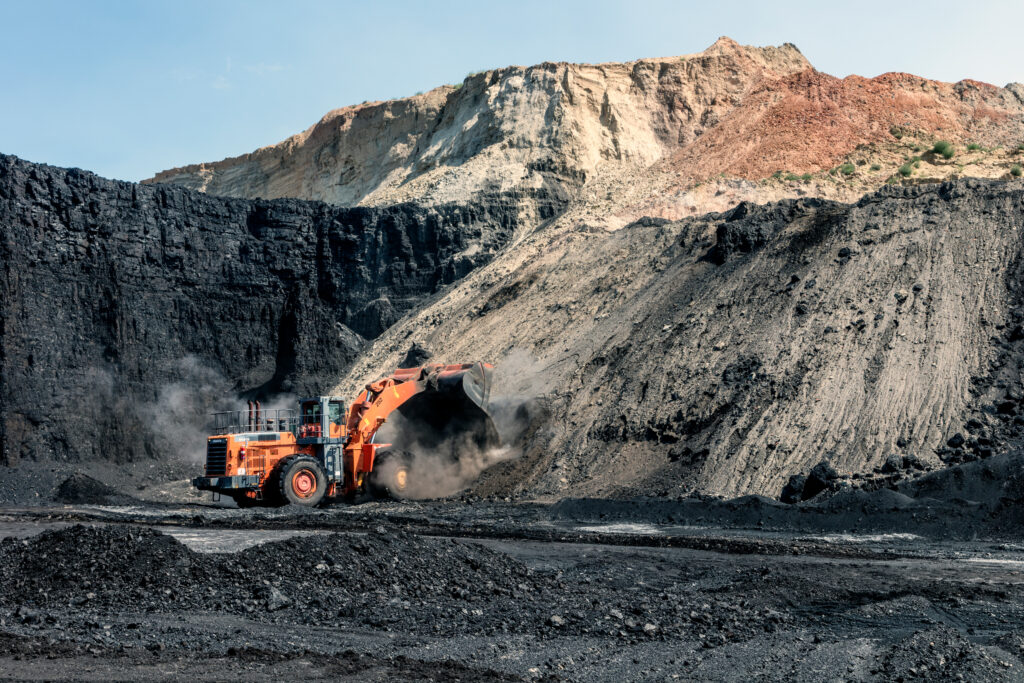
(118, 302)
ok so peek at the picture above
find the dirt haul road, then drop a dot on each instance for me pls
(490, 591)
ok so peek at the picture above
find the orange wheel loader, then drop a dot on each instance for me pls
(326, 449)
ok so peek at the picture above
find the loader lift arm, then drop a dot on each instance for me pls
(436, 397)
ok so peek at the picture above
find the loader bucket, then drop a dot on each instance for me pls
(450, 414)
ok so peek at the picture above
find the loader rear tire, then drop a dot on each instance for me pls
(303, 481)
(390, 477)
(271, 492)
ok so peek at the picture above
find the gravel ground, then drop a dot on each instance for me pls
(127, 601)
(919, 580)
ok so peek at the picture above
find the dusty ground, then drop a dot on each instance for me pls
(921, 581)
(353, 599)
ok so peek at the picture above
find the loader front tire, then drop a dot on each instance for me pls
(390, 475)
(303, 481)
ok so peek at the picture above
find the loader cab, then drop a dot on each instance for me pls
(321, 420)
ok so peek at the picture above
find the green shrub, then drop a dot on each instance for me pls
(944, 148)
(876, 167)
(896, 132)
(792, 177)
(1016, 170)
(847, 168)
(973, 147)
(777, 175)
(1020, 148)
(915, 148)
(906, 170)
(806, 177)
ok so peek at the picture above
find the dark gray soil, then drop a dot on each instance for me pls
(860, 585)
(132, 602)
(922, 580)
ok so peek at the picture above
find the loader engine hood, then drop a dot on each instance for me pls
(450, 415)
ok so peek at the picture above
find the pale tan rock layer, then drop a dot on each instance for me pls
(661, 125)
(501, 128)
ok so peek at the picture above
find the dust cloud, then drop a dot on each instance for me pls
(179, 418)
(445, 466)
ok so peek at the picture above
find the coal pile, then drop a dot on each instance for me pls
(81, 489)
(380, 579)
(943, 654)
(97, 565)
(125, 566)
(398, 582)
(391, 582)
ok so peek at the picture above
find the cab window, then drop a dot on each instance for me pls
(334, 412)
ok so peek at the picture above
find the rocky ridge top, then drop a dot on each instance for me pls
(671, 136)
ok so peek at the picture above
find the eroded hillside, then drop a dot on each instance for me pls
(727, 352)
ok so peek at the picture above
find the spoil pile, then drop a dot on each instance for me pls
(725, 354)
(81, 489)
(393, 582)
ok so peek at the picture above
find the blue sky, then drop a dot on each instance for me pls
(126, 89)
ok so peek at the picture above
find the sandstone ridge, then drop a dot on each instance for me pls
(672, 135)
